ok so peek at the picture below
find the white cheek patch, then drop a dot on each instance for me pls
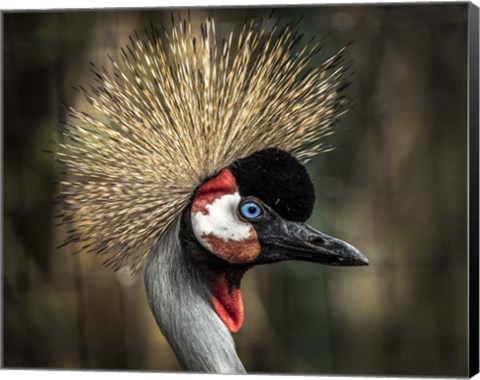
(221, 231)
(221, 220)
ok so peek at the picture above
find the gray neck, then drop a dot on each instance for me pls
(180, 303)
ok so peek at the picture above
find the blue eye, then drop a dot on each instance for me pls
(250, 210)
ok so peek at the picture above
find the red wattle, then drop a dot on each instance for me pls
(228, 304)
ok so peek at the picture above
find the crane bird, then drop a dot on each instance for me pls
(188, 164)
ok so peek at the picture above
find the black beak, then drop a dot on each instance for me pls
(286, 240)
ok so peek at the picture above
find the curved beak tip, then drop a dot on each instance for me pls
(357, 258)
(363, 261)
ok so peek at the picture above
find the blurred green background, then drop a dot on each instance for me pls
(395, 187)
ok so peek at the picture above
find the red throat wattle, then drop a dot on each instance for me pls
(228, 303)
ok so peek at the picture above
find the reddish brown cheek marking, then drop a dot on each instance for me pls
(234, 251)
(227, 303)
(223, 183)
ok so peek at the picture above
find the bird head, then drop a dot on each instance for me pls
(254, 212)
(188, 165)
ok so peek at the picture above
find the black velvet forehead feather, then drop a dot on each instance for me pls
(277, 179)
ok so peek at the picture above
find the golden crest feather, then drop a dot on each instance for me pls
(179, 106)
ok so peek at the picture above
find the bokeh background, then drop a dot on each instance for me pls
(395, 186)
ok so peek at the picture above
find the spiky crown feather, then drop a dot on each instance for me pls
(175, 110)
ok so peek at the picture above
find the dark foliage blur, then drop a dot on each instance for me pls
(395, 187)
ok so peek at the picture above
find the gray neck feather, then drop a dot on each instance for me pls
(181, 305)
